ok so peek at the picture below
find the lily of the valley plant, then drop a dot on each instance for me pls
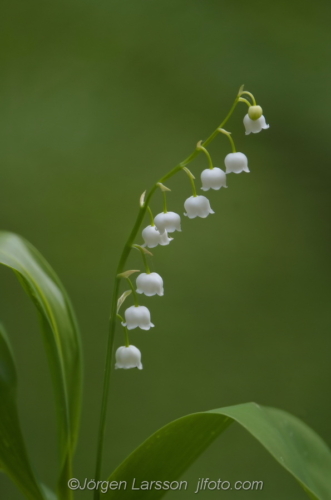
(156, 233)
(170, 451)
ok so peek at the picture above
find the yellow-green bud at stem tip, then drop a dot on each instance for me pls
(255, 112)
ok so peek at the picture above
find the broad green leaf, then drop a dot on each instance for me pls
(60, 335)
(171, 450)
(48, 493)
(13, 456)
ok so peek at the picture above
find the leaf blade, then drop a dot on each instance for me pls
(13, 455)
(60, 335)
(166, 454)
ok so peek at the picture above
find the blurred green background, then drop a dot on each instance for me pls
(99, 99)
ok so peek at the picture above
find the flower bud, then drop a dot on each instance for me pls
(152, 237)
(236, 163)
(255, 112)
(168, 221)
(128, 357)
(150, 284)
(197, 206)
(254, 126)
(213, 178)
(137, 316)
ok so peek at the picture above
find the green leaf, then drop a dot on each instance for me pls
(48, 493)
(61, 339)
(13, 455)
(171, 450)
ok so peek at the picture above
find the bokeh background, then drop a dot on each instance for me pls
(97, 101)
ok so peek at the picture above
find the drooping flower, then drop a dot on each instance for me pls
(167, 221)
(137, 316)
(254, 126)
(213, 178)
(150, 284)
(152, 237)
(197, 206)
(164, 239)
(128, 357)
(236, 163)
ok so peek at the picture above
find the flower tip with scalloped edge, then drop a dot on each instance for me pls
(137, 317)
(213, 178)
(128, 357)
(254, 126)
(236, 163)
(164, 239)
(153, 238)
(197, 206)
(167, 221)
(150, 284)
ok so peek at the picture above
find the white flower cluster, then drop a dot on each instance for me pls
(164, 223)
(151, 283)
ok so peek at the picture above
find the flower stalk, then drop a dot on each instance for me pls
(165, 210)
(242, 99)
(151, 215)
(143, 252)
(144, 207)
(228, 135)
(204, 150)
(134, 293)
(191, 177)
(126, 333)
(245, 92)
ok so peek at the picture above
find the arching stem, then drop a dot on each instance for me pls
(112, 322)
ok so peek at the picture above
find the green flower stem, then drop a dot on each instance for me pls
(242, 99)
(134, 293)
(112, 322)
(192, 183)
(143, 254)
(201, 148)
(127, 342)
(164, 202)
(126, 333)
(250, 95)
(151, 215)
(228, 134)
(148, 271)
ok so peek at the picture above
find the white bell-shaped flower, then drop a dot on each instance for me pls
(254, 126)
(197, 206)
(164, 239)
(150, 284)
(167, 221)
(128, 357)
(137, 316)
(213, 178)
(236, 163)
(152, 237)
